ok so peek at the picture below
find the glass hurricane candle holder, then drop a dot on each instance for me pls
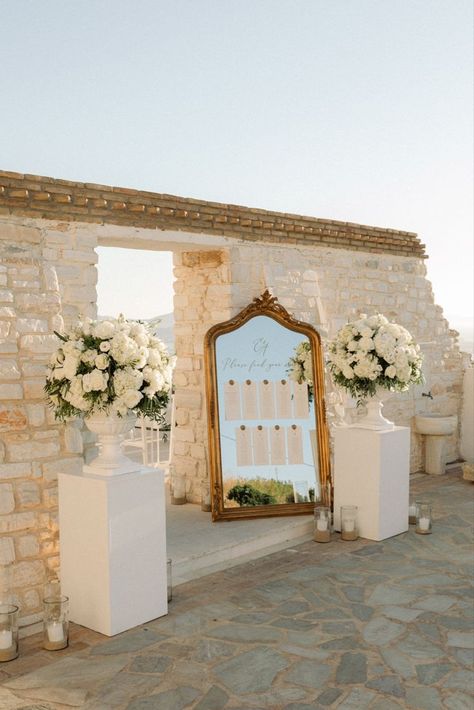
(322, 524)
(412, 512)
(178, 488)
(349, 522)
(55, 623)
(205, 497)
(423, 519)
(8, 632)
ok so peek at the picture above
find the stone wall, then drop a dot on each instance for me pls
(202, 298)
(33, 447)
(48, 276)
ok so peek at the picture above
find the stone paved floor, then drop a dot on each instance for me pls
(347, 625)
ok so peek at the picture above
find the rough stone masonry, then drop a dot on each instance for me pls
(322, 271)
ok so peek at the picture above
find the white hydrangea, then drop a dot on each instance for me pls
(127, 379)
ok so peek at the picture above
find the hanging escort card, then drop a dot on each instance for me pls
(249, 400)
(283, 399)
(300, 400)
(243, 446)
(295, 444)
(278, 445)
(267, 399)
(232, 400)
(260, 445)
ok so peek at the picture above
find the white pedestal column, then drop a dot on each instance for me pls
(372, 472)
(113, 549)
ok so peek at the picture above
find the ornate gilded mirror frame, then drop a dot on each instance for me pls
(266, 305)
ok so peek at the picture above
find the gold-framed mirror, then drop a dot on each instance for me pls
(268, 438)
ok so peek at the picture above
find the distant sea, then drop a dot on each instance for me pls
(465, 328)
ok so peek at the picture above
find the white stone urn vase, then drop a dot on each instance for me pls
(374, 418)
(111, 430)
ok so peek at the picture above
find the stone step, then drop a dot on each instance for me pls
(198, 547)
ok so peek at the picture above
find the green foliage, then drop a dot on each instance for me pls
(279, 491)
(246, 494)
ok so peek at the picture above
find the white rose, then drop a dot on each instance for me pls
(73, 347)
(57, 358)
(156, 380)
(104, 329)
(57, 373)
(104, 346)
(89, 356)
(154, 357)
(102, 361)
(391, 371)
(70, 366)
(94, 381)
(142, 357)
(366, 344)
(120, 407)
(87, 326)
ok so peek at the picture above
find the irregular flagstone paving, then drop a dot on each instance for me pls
(347, 625)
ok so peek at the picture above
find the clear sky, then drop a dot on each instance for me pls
(358, 110)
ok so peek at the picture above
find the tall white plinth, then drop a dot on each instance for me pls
(372, 471)
(113, 549)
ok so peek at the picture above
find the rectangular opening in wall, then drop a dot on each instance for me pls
(139, 284)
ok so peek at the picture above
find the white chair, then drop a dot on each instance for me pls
(149, 437)
(150, 431)
(146, 437)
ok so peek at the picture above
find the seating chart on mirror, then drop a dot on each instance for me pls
(266, 416)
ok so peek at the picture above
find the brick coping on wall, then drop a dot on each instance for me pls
(49, 198)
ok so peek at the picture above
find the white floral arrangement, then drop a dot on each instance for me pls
(111, 365)
(301, 366)
(371, 352)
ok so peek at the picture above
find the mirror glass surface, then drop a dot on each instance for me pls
(266, 416)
